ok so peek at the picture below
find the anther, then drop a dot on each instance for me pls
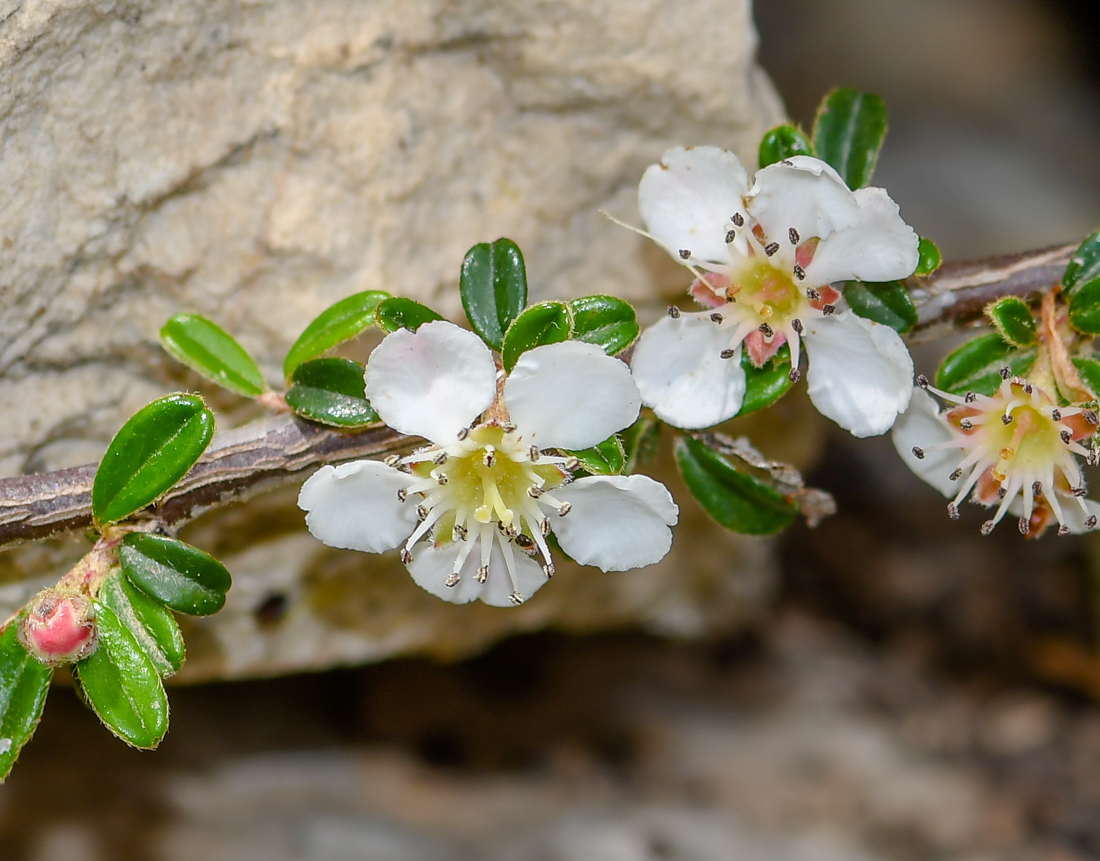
(566, 507)
(730, 236)
(440, 458)
(461, 531)
(482, 573)
(795, 375)
(970, 397)
(572, 463)
(1091, 418)
(1006, 419)
(966, 424)
(534, 453)
(490, 455)
(1066, 435)
(792, 235)
(1002, 492)
(1080, 491)
(406, 556)
(441, 479)
(392, 460)
(525, 541)
(771, 248)
(828, 309)
(727, 354)
(508, 427)
(952, 511)
(1025, 525)
(544, 526)
(1090, 521)
(451, 581)
(548, 570)
(812, 294)
(1056, 414)
(1006, 373)
(738, 219)
(796, 324)
(673, 312)
(422, 512)
(402, 494)
(684, 254)
(918, 452)
(1063, 531)
(922, 381)
(716, 317)
(987, 527)
(516, 598)
(956, 475)
(1028, 388)
(1037, 489)
(766, 330)
(462, 434)
(534, 492)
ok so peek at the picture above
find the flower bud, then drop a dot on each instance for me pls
(58, 628)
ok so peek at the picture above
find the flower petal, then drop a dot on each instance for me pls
(682, 376)
(861, 373)
(922, 426)
(431, 566)
(688, 199)
(617, 522)
(880, 247)
(803, 193)
(570, 395)
(354, 506)
(432, 382)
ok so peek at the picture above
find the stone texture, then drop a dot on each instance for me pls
(256, 161)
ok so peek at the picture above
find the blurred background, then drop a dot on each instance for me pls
(915, 692)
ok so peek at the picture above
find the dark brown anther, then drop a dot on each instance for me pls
(792, 235)
(1090, 417)
(685, 254)
(1006, 419)
(1066, 435)
(952, 511)
(922, 381)
(716, 317)
(738, 219)
(1037, 489)
(1025, 525)
(525, 541)
(956, 475)
(1090, 521)
(987, 527)
(673, 311)
(730, 236)
(1063, 531)
(795, 375)
(796, 324)
(799, 272)
(828, 309)
(970, 397)
(1056, 414)
(1001, 493)
(918, 452)
(727, 354)
(771, 248)
(1006, 373)
(406, 556)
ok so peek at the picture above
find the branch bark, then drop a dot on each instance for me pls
(247, 460)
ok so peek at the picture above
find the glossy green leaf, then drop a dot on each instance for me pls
(767, 384)
(183, 577)
(848, 134)
(607, 458)
(401, 313)
(24, 683)
(1084, 265)
(605, 321)
(1089, 370)
(544, 323)
(493, 283)
(885, 302)
(151, 623)
(976, 365)
(331, 391)
(121, 684)
(734, 498)
(338, 323)
(783, 142)
(149, 454)
(929, 257)
(1084, 308)
(1012, 319)
(640, 442)
(212, 352)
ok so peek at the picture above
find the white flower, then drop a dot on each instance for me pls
(1016, 449)
(770, 254)
(485, 494)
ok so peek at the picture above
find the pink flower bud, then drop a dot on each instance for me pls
(58, 628)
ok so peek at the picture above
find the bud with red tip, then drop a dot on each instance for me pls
(58, 628)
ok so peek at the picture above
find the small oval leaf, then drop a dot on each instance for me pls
(121, 684)
(1084, 265)
(783, 142)
(149, 454)
(607, 458)
(331, 391)
(885, 302)
(336, 324)
(208, 350)
(605, 321)
(24, 683)
(733, 498)
(928, 257)
(493, 283)
(178, 575)
(976, 365)
(1012, 319)
(544, 323)
(151, 623)
(1084, 308)
(848, 134)
(640, 442)
(398, 312)
(1089, 370)
(767, 384)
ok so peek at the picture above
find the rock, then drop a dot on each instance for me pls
(255, 162)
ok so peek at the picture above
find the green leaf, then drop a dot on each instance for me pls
(605, 321)
(338, 323)
(767, 384)
(640, 442)
(1084, 308)
(24, 683)
(152, 625)
(929, 257)
(210, 351)
(1084, 265)
(735, 499)
(176, 574)
(1089, 370)
(400, 313)
(1012, 319)
(848, 134)
(886, 302)
(607, 458)
(122, 685)
(544, 323)
(976, 365)
(331, 391)
(493, 283)
(783, 142)
(149, 454)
